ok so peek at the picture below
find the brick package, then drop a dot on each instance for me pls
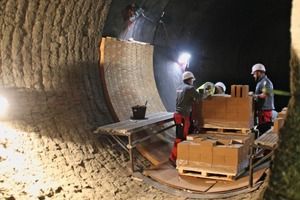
(223, 154)
(227, 111)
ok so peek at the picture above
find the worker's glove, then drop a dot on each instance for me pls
(254, 96)
(205, 96)
(201, 91)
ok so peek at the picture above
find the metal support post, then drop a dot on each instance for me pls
(130, 151)
(252, 156)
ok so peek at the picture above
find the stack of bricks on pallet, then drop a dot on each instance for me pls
(219, 154)
(235, 111)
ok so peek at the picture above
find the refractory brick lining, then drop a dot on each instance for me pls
(128, 77)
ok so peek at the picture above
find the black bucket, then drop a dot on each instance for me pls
(139, 112)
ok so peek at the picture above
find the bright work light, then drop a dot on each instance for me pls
(184, 58)
(3, 104)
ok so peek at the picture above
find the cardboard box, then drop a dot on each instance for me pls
(232, 91)
(235, 153)
(227, 154)
(232, 102)
(281, 114)
(208, 115)
(231, 116)
(183, 150)
(220, 115)
(245, 91)
(239, 91)
(206, 142)
(206, 160)
(194, 152)
(220, 150)
(225, 112)
(218, 160)
(278, 124)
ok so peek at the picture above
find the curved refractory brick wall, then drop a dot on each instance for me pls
(127, 73)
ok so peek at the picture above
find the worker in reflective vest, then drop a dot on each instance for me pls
(206, 88)
(210, 89)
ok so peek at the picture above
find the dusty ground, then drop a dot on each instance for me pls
(34, 167)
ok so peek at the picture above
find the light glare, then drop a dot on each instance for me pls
(3, 104)
(184, 58)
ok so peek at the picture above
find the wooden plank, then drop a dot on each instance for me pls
(208, 123)
(224, 130)
(156, 150)
(118, 125)
(268, 139)
(140, 125)
(234, 138)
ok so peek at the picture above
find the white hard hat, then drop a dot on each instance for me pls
(259, 67)
(222, 85)
(187, 75)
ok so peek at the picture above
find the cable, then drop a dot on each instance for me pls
(160, 21)
(131, 12)
(147, 18)
(128, 28)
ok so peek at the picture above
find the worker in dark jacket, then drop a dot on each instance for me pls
(264, 101)
(186, 95)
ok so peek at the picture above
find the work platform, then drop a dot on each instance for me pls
(162, 121)
(264, 144)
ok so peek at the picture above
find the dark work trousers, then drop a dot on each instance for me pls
(182, 128)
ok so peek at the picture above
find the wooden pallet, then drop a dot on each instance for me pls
(223, 130)
(207, 174)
